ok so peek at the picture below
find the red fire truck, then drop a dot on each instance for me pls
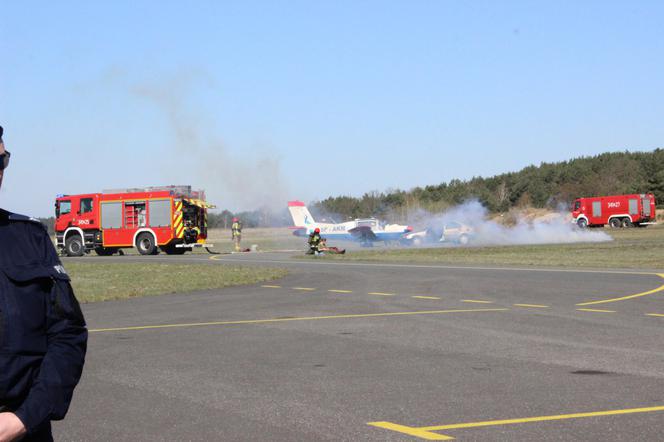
(171, 218)
(616, 210)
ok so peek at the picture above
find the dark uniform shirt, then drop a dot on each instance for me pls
(43, 337)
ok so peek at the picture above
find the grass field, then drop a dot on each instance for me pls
(278, 238)
(96, 282)
(630, 248)
(266, 239)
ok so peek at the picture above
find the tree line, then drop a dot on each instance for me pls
(549, 185)
(262, 217)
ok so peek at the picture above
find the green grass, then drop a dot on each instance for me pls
(631, 248)
(266, 239)
(100, 282)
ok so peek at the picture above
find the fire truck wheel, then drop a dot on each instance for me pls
(145, 244)
(582, 222)
(615, 222)
(627, 223)
(74, 246)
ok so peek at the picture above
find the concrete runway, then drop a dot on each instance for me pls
(352, 351)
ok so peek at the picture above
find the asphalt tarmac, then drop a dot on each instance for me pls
(380, 352)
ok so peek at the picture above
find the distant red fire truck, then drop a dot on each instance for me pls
(171, 218)
(615, 210)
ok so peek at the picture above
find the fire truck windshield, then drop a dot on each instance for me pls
(62, 208)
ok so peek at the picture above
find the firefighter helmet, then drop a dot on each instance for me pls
(235, 220)
(317, 230)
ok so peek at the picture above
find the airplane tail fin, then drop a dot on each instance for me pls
(300, 214)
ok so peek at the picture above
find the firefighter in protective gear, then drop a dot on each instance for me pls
(43, 337)
(236, 233)
(314, 242)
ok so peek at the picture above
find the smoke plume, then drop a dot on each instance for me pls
(231, 180)
(553, 229)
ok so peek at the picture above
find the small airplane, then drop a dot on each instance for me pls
(366, 231)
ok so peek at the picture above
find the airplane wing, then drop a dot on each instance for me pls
(363, 233)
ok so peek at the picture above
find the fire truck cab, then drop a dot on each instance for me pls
(172, 219)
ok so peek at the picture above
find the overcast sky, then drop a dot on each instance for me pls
(261, 102)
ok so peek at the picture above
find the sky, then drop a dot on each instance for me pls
(261, 102)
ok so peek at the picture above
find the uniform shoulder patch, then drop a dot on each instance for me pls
(17, 217)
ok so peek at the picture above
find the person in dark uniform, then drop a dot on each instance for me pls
(43, 337)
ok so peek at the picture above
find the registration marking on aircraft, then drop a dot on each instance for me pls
(477, 301)
(531, 305)
(340, 291)
(594, 310)
(304, 318)
(427, 433)
(425, 297)
(305, 289)
(380, 294)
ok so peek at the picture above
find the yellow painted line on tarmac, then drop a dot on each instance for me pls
(411, 431)
(476, 301)
(380, 294)
(428, 432)
(304, 318)
(340, 291)
(655, 314)
(425, 297)
(531, 305)
(304, 289)
(624, 298)
(594, 310)
(271, 286)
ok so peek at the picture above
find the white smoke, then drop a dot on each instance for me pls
(553, 229)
